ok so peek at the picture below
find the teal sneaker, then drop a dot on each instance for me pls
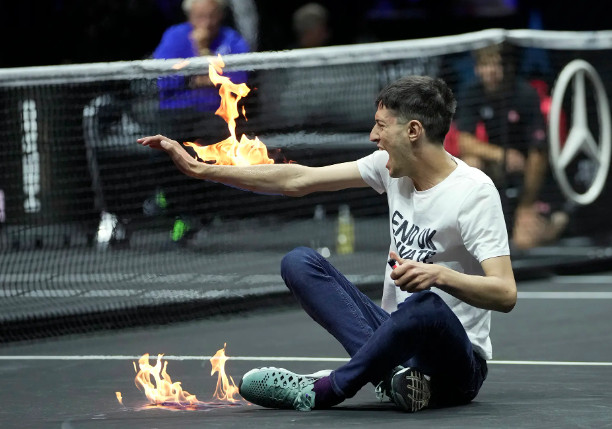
(278, 388)
(410, 389)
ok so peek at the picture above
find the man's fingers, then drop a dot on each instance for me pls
(395, 257)
(146, 139)
(402, 275)
(153, 141)
(408, 278)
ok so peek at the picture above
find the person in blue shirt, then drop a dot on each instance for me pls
(202, 34)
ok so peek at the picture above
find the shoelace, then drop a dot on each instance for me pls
(382, 387)
(304, 402)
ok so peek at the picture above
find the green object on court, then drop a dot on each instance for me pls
(160, 200)
(179, 229)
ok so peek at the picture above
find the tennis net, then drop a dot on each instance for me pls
(96, 231)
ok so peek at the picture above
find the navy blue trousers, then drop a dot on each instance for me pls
(422, 333)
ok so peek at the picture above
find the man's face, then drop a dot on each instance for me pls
(206, 15)
(491, 72)
(392, 136)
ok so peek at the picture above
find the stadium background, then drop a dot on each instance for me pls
(552, 366)
(44, 32)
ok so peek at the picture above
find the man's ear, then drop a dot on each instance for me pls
(415, 130)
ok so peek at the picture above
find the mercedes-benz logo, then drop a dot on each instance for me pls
(580, 138)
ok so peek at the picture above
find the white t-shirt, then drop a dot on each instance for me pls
(458, 224)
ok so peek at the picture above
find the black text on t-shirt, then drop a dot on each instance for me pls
(411, 241)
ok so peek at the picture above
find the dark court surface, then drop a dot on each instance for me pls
(552, 368)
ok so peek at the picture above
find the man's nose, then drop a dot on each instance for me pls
(373, 135)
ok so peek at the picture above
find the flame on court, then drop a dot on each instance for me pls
(226, 388)
(158, 387)
(161, 391)
(230, 151)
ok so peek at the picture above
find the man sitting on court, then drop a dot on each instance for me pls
(428, 343)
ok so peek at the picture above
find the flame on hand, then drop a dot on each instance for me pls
(230, 151)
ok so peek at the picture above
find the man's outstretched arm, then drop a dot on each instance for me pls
(287, 179)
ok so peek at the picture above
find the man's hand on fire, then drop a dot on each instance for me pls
(412, 276)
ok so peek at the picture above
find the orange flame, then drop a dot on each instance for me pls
(230, 151)
(226, 388)
(162, 390)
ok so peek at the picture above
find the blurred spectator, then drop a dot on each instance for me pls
(187, 103)
(503, 132)
(202, 34)
(311, 26)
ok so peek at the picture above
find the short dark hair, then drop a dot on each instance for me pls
(426, 99)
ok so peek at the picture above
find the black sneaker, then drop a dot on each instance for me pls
(383, 389)
(410, 389)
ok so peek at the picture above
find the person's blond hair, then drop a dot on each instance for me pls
(186, 5)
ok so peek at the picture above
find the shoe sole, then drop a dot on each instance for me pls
(410, 390)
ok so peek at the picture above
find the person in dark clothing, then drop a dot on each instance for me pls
(503, 132)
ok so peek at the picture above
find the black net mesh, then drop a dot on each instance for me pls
(97, 231)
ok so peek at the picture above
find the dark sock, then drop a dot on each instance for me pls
(325, 397)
